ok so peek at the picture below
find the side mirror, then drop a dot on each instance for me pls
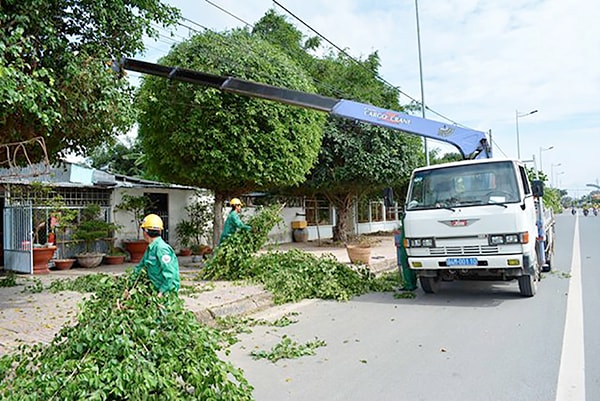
(537, 187)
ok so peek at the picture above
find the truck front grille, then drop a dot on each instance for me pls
(468, 250)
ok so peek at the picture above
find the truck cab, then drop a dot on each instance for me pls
(474, 219)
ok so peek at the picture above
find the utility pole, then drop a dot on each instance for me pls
(421, 77)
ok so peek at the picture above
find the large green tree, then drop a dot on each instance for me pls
(230, 144)
(55, 75)
(356, 159)
(359, 159)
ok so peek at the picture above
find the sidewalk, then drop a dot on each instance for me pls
(27, 317)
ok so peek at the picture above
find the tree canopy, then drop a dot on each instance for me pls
(55, 76)
(227, 143)
(355, 158)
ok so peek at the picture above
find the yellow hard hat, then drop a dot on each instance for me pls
(235, 202)
(152, 222)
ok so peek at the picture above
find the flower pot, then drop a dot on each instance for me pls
(185, 252)
(114, 259)
(89, 260)
(205, 250)
(136, 249)
(359, 254)
(202, 250)
(64, 264)
(41, 257)
(300, 235)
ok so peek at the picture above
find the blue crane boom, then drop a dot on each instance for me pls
(471, 144)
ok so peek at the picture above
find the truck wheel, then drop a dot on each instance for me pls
(429, 284)
(527, 285)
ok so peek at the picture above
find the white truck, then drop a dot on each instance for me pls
(477, 219)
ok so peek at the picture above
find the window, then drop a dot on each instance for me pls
(317, 211)
(370, 210)
(468, 184)
(392, 213)
(525, 181)
(376, 210)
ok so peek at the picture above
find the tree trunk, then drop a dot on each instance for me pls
(343, 205)
(218, 220)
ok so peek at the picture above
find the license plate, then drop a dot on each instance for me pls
(461, 262)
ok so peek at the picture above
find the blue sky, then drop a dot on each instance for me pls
(482, 62)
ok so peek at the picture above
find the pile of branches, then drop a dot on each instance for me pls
(127, 343)
(293, 275)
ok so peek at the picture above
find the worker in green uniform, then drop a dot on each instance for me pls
(233, 222)
(409, 278)
(159, 260)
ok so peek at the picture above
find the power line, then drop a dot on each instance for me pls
(321, 84)
(377, 76)
(396, 87)
(341, 50)
(229, 13)
(233, 63)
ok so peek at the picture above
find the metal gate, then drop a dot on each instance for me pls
(18, 239)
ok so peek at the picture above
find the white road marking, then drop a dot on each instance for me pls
(571, 375)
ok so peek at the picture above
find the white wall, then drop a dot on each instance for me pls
(178, 200)
(284, 232)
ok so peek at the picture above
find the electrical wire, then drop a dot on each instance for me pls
(342, 51)
(231, 63)
(230, 14)
(379, 77)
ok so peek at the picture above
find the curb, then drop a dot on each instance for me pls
(264, 299)
(243, 306)
(385, 266)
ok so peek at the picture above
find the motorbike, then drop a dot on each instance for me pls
(573, 211)
(585, 212)
(595, 212)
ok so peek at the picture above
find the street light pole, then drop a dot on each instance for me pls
(543, 150)
(552, 173)
(558, 178)
(517, 116)
(421, 77)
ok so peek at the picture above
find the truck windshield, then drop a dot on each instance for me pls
(467, 185)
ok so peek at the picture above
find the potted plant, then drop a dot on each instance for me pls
(359, 249)
(90, 229)
(192, 233)
(185, 234)
(115, 255)
(43, 247)
(61, 220)
(201, 250)
(136, 206)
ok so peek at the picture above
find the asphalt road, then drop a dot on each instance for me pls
(471, 341)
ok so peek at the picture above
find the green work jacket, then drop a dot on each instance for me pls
(162, 266)
(232, 224)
